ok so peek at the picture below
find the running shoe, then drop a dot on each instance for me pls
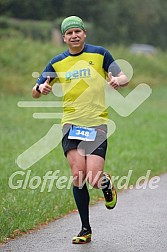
(83, 237)
(110, 193)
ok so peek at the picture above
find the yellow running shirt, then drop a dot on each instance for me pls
(83, 78)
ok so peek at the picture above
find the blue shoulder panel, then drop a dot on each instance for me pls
(109, 65)
(49, 70)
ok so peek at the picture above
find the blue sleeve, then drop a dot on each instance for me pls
(110, 65)
(48, 71)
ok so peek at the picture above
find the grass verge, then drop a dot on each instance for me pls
(138, 145)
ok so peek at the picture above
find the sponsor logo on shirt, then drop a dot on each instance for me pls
(77, 74)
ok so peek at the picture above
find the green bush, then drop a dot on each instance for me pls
(41, 30)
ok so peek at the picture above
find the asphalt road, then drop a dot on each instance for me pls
(138, 223)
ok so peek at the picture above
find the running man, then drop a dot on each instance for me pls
(82, 71)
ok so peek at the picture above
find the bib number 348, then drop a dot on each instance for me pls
(82, 133)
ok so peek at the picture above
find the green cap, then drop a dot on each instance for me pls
(72, 22)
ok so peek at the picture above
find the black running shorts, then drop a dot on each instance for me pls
(97, 147)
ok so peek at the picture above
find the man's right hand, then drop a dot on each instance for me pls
(45, 88)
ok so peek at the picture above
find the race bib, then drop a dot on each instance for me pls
(82, 133)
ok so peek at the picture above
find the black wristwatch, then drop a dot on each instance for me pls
(37, 89)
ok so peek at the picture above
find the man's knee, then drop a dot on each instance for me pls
(78, 174)
(78, 177)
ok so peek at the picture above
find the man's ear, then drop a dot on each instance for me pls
(64, 39)
(84, 33)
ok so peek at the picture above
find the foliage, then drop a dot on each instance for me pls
(116, 21)
(40, 30)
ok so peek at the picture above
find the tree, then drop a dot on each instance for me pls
(108, 21)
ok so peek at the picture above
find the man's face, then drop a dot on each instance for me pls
(75, 38)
